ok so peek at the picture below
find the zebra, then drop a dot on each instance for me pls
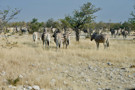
(57, 38)
(66, 39)
(36, 36)
(124, 34)
(46, 38)
(100, 38)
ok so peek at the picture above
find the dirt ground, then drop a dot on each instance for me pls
(26, 65)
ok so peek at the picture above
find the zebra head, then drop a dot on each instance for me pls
(93, 36)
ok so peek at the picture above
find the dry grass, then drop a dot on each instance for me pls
(40, 66)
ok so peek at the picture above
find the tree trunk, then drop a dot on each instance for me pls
(77, 35)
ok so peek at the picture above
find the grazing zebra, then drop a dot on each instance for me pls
(57, 38)
(66, 39)
(124, 34)
(36, 36)
(118, 32)
(100, 38)
(113, 33)
(46, 38)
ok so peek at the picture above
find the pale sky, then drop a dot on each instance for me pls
(114, 10)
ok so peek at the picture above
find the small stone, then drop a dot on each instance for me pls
(90, 67)
(48, 69)
(87, 80)
(81, 82)
(26, 82)
(107, 89)
(99, 89)
(123, 68)
(35, 87)
(20, 76)
(3, 73)
(95, 69)
(33, 65)
(65, 82)
(66, 71)
(20, 87)
(99, 83)
(42, 89)
(129, 76)
(10, 86)
(82, 74)
(29, 88)
(52, 82)
(109, 64)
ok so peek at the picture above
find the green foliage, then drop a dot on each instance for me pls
(116, 25)
(50, 23)
(13, 81)
(82, 18)
(17, 24)
(6, 16)
(101, 25)
(84, 15)
(132, 20)
(126, 25)
(64, 24)
(34, 25)
(57, 25)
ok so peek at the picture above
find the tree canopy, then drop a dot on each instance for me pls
(34, 25)
(7, 15)
(82, 18)
(132, 20)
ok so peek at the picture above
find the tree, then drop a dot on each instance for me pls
(82, 17)
(50, 23)
(6, 16)
(34, 25)
(132, 20)
(64, 24)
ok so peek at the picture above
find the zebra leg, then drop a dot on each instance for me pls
(63, 44)
(43, 43)
(57, 44)
(36, 40)
(60, 43)
(67, 43)
(105, 44)
(48, 43)
(114, 35)
(125, 36)
(97, 45)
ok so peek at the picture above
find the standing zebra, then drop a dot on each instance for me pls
(100, 38)
(46, 38)
(36, 36)
(66, 38)
(113, 32)
(124, 34)
(57, 38)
